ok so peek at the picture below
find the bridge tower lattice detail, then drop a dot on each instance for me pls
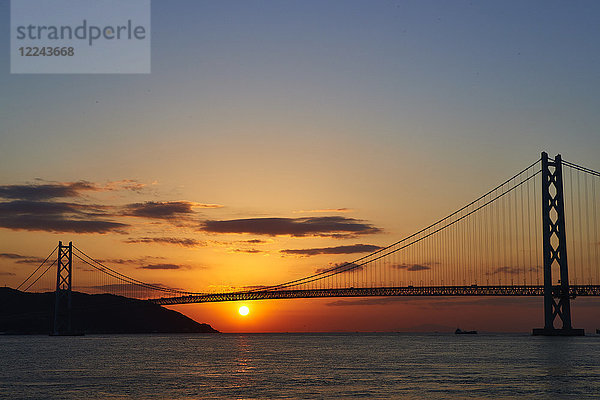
(62, 305)
(556, 297)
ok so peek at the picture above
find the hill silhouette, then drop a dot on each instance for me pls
(32, 313)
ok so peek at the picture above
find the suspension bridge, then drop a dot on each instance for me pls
(535, 234)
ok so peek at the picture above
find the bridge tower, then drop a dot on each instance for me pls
(556, 297)
(62, 302)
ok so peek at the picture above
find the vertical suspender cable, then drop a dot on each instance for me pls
(587, 229)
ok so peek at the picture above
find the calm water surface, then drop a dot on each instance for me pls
(302, 366)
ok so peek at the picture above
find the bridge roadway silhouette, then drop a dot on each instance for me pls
(472, 290)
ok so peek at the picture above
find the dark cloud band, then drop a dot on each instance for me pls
(51, 216)
(161, 266)
(350, 249)
(317, 226)
(46, 191)
(159, 209)
(60, 224)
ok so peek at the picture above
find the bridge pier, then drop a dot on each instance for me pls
(557, 299)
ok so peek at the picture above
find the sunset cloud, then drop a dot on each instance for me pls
(39, 208)
(350, 249)
(512, 270)
(248, 251)
(185, 242)
(205, 205)
(159, 209)
(46, 191)
(34, 207)
(165, 209)
(60, 225)
(132, 261)
(341, 268)
(325, 210)
(161, 266)
(253, 287)
(21, 259)
(125, 184)
(56, 217)
(55, 190)
(333, 226)
(412, 267)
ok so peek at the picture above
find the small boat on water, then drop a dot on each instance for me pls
(597, 331)
(459, 331)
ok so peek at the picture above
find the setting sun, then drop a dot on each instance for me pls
(243, 310)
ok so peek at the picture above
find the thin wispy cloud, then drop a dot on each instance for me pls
(253, 287)
(325, 210)
(125, 184)
(253, 241)
(185, 242)
(248, 251)
(21, 259)
(512, 270)
(205, 205)
(131, 261)
(412, 267)
(340, 268)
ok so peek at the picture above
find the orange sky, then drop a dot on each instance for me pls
(387, 315)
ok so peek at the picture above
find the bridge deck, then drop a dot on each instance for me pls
(473, 290)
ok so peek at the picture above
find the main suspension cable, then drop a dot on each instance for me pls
(382, 252)
(36, 270)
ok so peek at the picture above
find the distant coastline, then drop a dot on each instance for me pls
(31, 313)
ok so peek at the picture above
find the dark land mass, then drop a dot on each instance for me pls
(33, 313)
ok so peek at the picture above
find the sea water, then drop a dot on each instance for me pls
(299, 366)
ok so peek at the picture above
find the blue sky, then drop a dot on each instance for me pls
(440, 78)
